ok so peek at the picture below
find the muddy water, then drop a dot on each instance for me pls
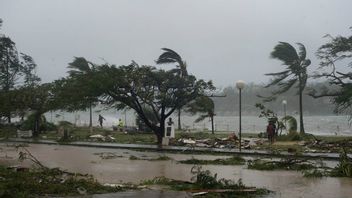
(87, 160)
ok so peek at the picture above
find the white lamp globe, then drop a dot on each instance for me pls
(240, 84)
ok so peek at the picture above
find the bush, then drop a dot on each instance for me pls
(28, 124)
(344, 168)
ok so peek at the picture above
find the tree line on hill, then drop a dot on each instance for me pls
(228, 106)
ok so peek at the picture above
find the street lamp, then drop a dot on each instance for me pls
(240, 85)
(284, 103)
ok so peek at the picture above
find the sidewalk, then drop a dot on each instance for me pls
(326, 156)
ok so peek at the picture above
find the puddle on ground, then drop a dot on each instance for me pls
(117, 169)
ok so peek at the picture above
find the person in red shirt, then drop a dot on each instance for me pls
(270, 130)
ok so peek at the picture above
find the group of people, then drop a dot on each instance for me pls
(120, 123)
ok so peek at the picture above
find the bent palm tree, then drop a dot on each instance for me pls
(170, 56)
(295, 72)
(81, 67)
(205, 106)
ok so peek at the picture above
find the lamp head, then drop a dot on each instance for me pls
(240, 84)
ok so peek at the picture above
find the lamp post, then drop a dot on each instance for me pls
(240, 85)
(284, 103)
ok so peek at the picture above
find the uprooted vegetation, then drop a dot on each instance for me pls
(42, 182)
(308, 168)
(205, 184)
(284, 164)
(17, 182)
(235, 160)
(159, 158)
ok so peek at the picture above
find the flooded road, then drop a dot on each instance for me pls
(288, 184)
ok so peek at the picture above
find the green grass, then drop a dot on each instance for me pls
(236, 160)
(7, 131)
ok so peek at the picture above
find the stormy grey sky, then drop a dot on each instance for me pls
(221, 40)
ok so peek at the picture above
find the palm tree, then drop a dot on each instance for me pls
(295, 72)
(205, 106)
(170, 56)
(78, 68)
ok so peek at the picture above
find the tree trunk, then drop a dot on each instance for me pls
(159, 138)
(36, 125)
(160, 133)
(301, 125)
(90, 118)
(212, 124)
(179, 119)
(9, 118)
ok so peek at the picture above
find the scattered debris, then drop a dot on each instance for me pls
(24, 134)
(98, 137)
(108, 155)
(230, 142)
(203, 182)
(102, 138)
(81, 191)
(160, 158)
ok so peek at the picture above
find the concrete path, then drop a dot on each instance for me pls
(327, 156)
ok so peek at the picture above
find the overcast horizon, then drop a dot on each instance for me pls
(220, 40)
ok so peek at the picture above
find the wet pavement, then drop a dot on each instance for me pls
(286, 184)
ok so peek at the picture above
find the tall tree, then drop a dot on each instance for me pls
(170, 56)
(81, 69)
(145, 87)
(15, 71)
(335, 60)
(205, 106)
(295, 73)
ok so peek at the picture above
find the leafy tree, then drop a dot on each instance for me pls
(295, 73)
(145, 87)
(15, 71)
(38, 100)
(205, 106)
(335, 56)
(170, 56)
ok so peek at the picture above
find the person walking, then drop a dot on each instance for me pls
(101, 119)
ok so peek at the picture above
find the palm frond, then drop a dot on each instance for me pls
(79, 66)
(278, 73)
(169, 56)
(302, 53)
(200, 118)
(277, 80)
(285, 86)
(285, 53)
